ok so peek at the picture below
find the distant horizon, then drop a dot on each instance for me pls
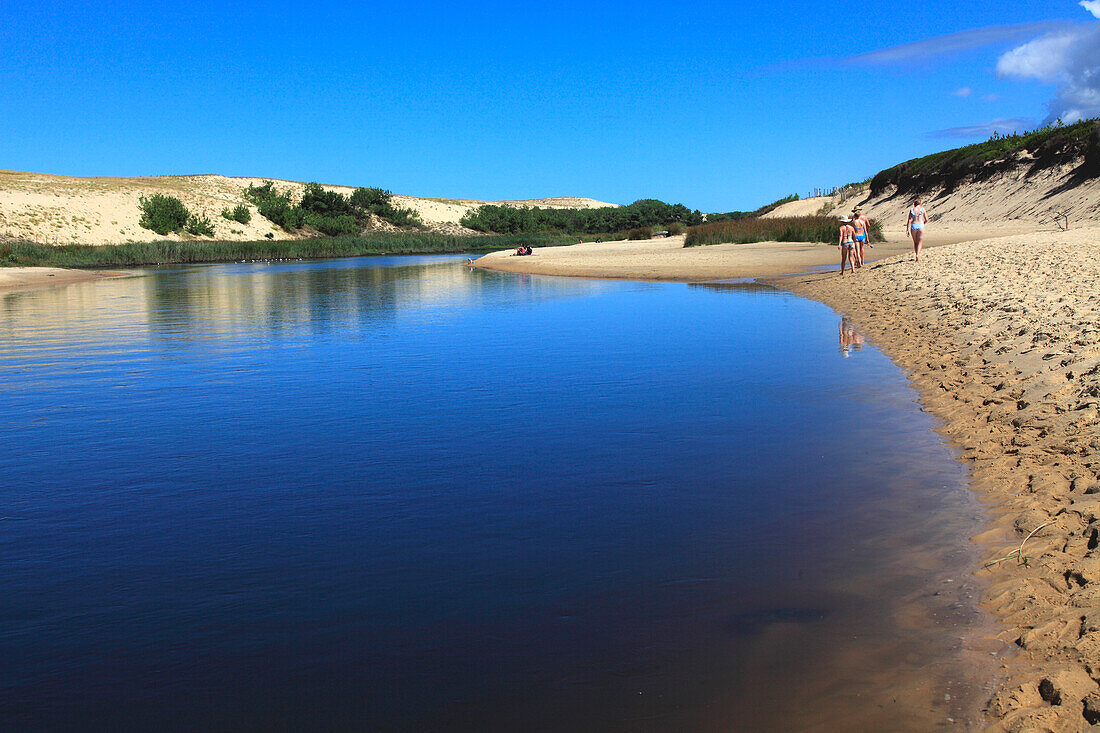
(722, 111)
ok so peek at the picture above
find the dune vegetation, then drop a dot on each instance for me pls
(784, 229)
(610, 222)
(1040, 149)
(23, 253)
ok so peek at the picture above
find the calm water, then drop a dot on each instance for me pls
(391, 493)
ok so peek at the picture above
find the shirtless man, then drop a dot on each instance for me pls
(860, 219)
(847, 244)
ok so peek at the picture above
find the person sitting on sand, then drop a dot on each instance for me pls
(914, 225)
(847, 244)
(522, 250)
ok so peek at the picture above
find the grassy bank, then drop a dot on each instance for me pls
(24, 254)
(788, 229)
(1037, 150)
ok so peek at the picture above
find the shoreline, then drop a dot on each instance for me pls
(1000, 337)
(1003, 348)
(28, 278)
(667, 260)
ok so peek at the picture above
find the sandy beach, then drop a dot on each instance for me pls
(22, 278)
(1000, 337)
(667, 259)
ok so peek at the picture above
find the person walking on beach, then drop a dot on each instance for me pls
(859, 224)
(858, 215)
(847, 244)
(914, 225)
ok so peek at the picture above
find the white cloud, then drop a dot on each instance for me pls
(1001, 126)
(965, 92)
(990, 98)
(1093, 6)
(1042, 59)
(929, 48)
(1069, 59)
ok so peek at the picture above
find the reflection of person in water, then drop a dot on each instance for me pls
(850, 338)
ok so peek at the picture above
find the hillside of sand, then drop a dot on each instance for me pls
(99, 210)
(1012, 202)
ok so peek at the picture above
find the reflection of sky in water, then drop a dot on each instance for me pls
(372, 490)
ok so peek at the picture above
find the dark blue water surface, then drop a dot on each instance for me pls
(393, 493)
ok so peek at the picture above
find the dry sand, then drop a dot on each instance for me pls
(667, 259)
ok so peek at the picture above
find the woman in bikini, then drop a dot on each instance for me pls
(847, 244)
(914, 225)
(859, 225)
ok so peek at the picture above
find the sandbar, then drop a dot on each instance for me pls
(23, 278)
(668, 259)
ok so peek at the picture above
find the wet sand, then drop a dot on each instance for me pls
(1002, 338)
(23, 278)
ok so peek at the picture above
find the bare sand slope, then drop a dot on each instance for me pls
(1009, 203)
(1002, 337)
(667, 259)
(105, 210)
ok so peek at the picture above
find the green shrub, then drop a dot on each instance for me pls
(640, 233)
(275, 206)
(162, 214)
(1091, 166)
(369, 199)
(379, 202)
(643, 213)
(675, 229)
(200, 226)
(240, 213)
(332, 225)
(401, 217)
(316, 200)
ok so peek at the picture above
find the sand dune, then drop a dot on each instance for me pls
(1008, 203)
(65, 209)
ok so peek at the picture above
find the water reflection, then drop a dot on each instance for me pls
(746, 287)
(398, 494)
(850, 339)
(352, 297)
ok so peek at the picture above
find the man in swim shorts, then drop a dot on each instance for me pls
(847, 244)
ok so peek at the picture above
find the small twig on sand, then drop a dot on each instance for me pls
(1021, 559)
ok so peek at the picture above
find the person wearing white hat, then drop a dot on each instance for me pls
(847, 244)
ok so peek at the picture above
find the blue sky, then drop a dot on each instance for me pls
(715, 105)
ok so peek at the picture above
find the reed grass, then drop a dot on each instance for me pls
(23, 253)
(785, 229)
